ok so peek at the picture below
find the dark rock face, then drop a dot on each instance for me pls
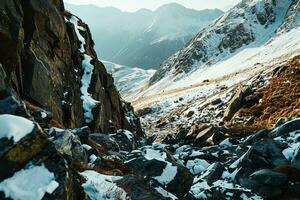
(41, 59)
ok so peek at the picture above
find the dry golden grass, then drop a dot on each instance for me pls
(280, 99)
(168, 93)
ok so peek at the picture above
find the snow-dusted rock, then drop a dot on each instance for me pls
(158, 165)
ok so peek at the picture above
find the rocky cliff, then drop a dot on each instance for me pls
(52, 66)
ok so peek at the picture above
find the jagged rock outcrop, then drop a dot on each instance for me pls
(40, 54)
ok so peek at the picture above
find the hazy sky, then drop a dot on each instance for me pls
(133, 5)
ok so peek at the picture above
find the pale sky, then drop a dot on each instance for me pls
(133, 5)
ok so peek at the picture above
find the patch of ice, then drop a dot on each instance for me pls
(93, 158)
(74, 20)
(229, 176)
(88, 102)
(289, 153)
(151, 154)
(197, 190)
(225, 143)
(44, 115)
(197, 166)
(168, 174)
(15, 127)
(86, 147)
(238, 161)
(196, 153)
(253, 197)
(102, 187)
(31, 183)
(165, 193)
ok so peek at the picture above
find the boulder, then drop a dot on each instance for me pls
(110, 165)
(269, 192)
(256, 137)
(159, 166)
(236, 102)
(35, 151)
(285, 128)
(67, 177)
(293, 191)
(13, 156)
(195, 129)
(83, 133)
(69, 144)
(269, 177)
(292, 173)
(269, 183)
(205, 134)
(266, 154)
(125, 139)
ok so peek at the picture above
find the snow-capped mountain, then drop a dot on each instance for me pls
(128, 80)
(144, 38)
(250, 24)
(251, 39)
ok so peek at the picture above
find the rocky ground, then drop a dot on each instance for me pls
(88, 165)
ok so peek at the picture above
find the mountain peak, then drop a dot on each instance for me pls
(170, 6)
(251, 22)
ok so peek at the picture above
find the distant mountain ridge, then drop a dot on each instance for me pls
(251, 22)
(143, 38)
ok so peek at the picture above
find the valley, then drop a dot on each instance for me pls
(143, 38)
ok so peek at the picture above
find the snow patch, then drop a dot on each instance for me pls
(165, 193)
(86, 147)
(102, 187)
(155, 154)
(31, 183)
(88, 102)
(15, 127)
(168, 174)
(197, 166)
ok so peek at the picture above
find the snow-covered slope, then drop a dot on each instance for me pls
(250, 24)
(246, 42)
(128, 80)
(144, 38)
